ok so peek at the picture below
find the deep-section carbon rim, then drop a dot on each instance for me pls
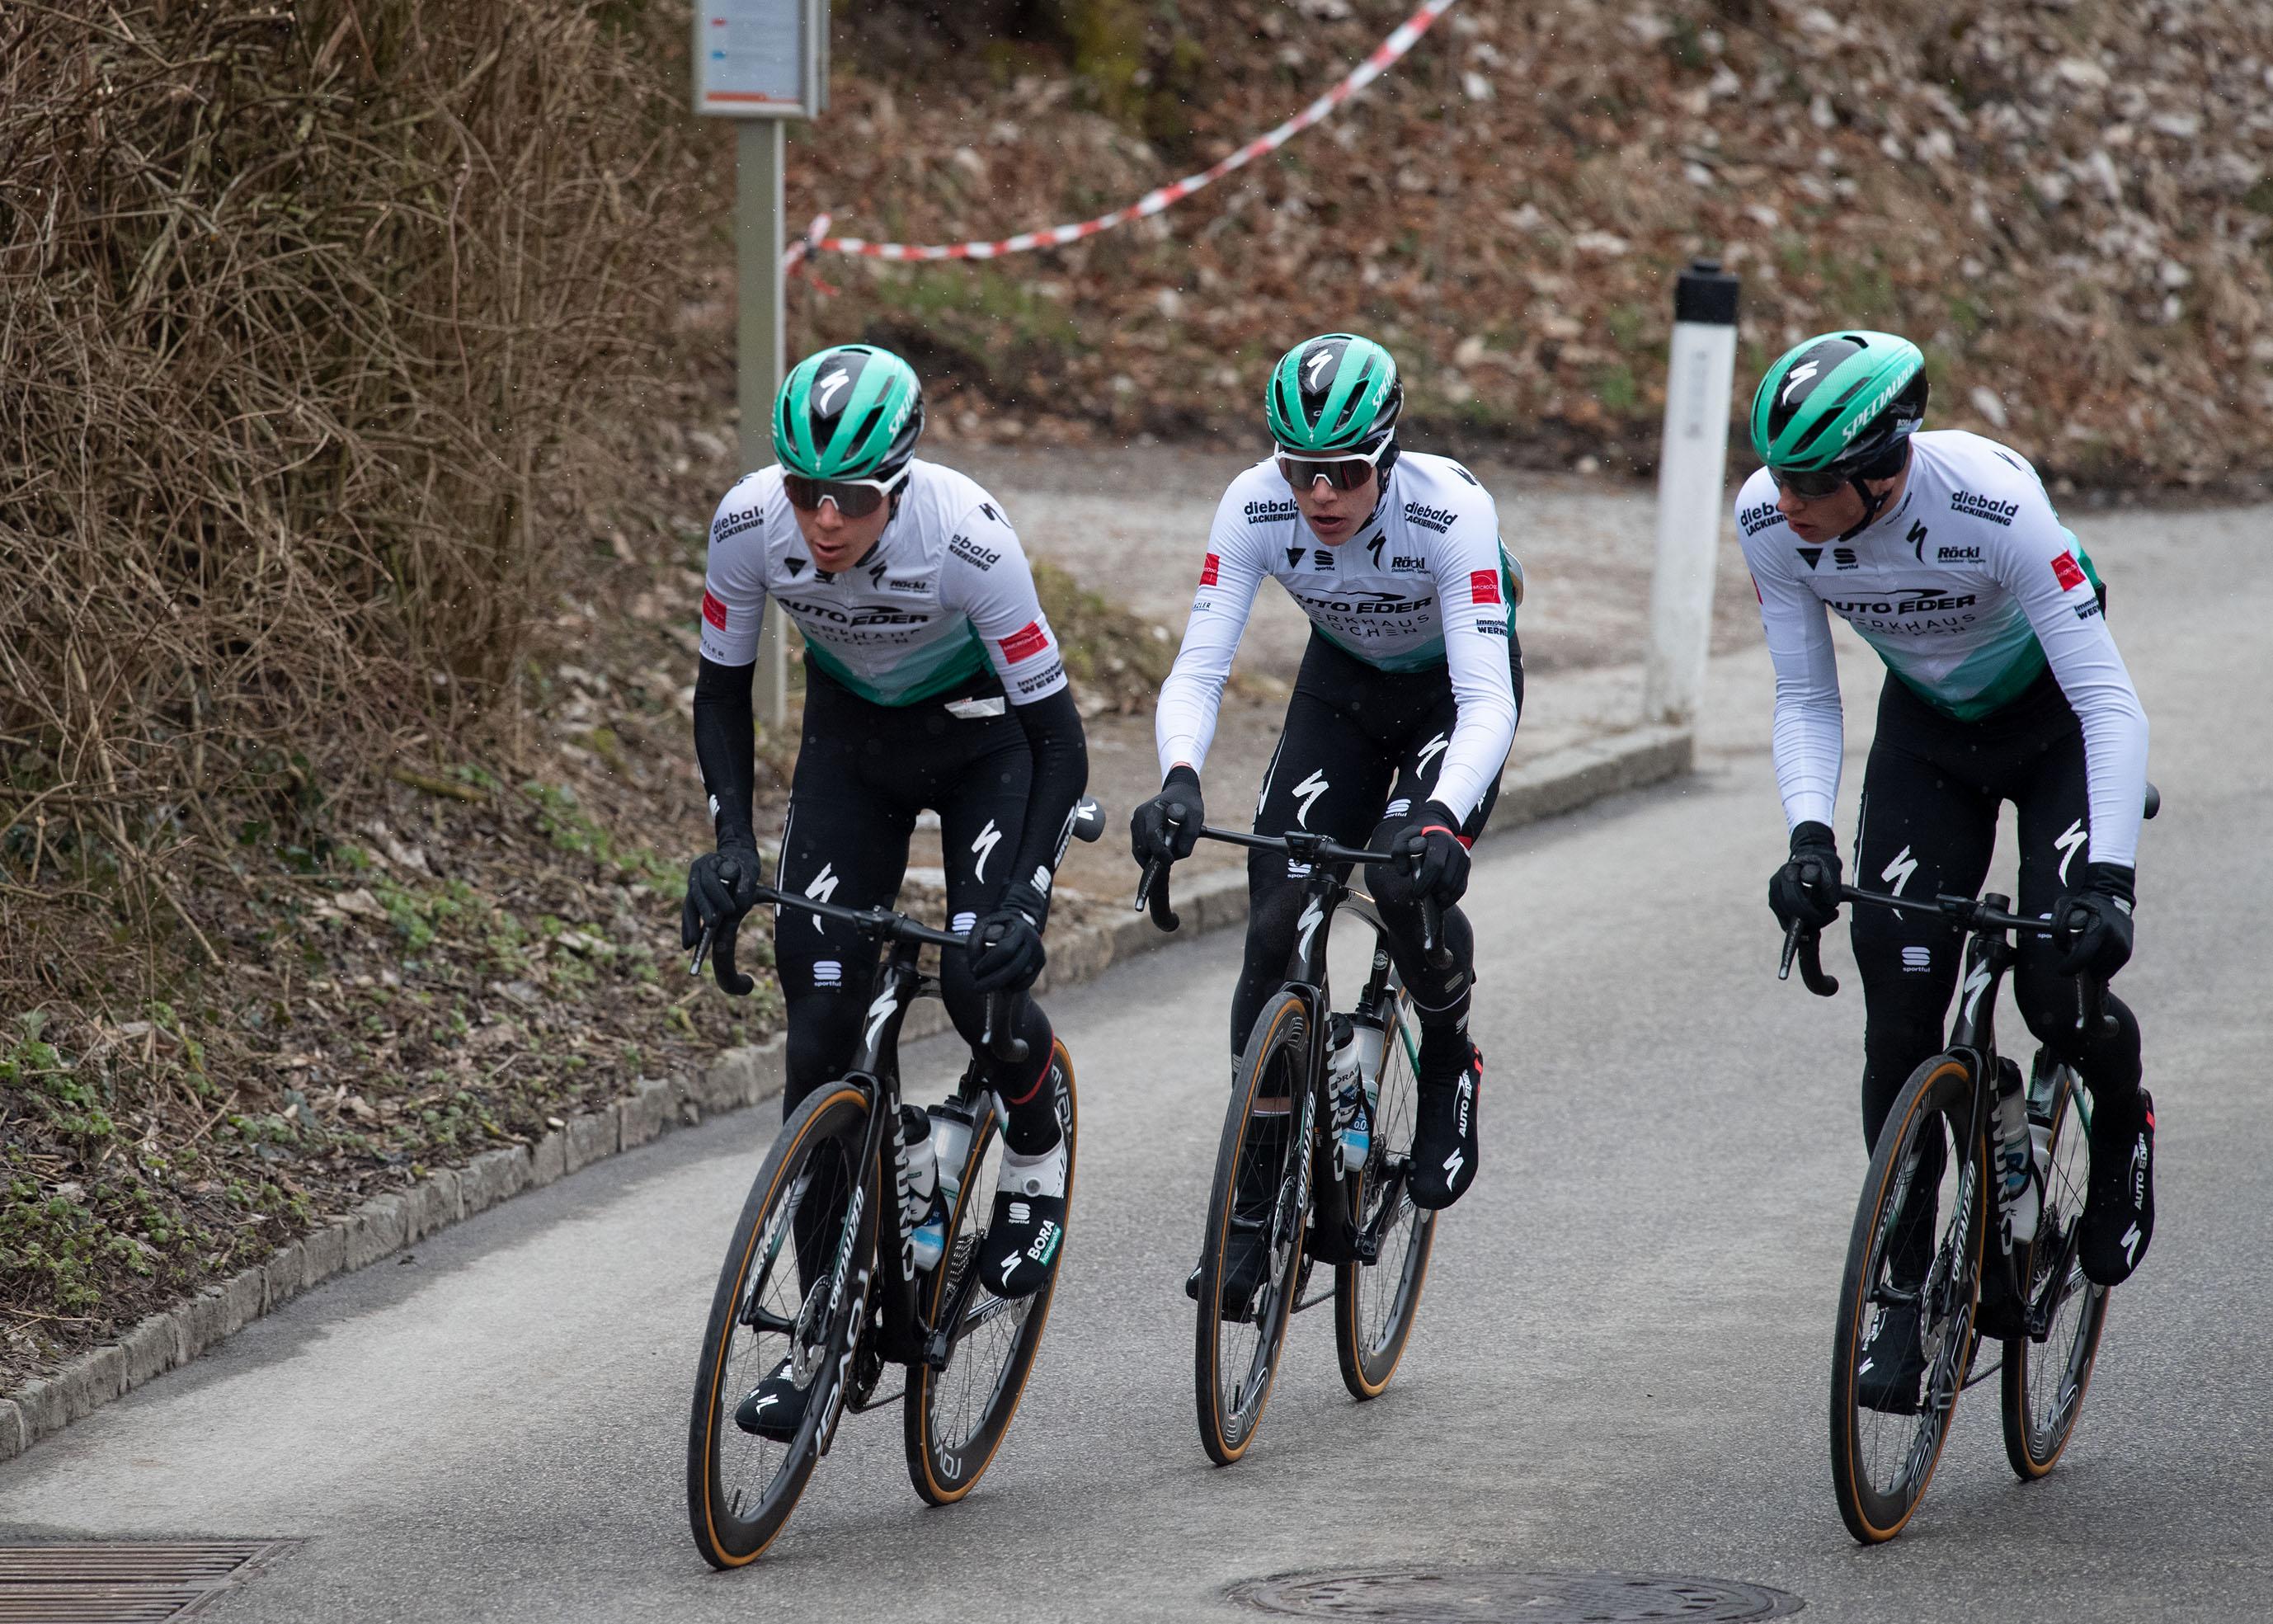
(2044, 1381)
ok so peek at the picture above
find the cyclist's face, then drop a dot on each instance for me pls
(1824, 517)
(839, 543)
(1334, 515)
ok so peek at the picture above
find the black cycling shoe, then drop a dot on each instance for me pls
(1444, 1141)
(1893, 1366)
(2118, 1213)
(1027, 1228)
(1247, 1265)
(775, 1408)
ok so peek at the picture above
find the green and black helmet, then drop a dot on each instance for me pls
(1336, 391)
(851, 412)
(1841, 402)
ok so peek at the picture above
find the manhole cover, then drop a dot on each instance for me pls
(1488, 1595)
(122, 1584)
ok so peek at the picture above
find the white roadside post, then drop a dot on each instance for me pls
(1692, 470)
(761, 62)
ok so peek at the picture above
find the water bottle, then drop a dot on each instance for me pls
(1352, 1044)
(919, 1194)
(2016, 1155)
(949, 1142)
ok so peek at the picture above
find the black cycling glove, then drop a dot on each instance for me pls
(715, 901)
(1168, 825)
(1805, 890)
(1006, 945)
(2100, 941)
(1436, 863)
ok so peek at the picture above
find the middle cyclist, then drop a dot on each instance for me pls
(1401, 715)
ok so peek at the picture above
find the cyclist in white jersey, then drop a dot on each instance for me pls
(933, 680)
(1943, 551)
(1401, 715)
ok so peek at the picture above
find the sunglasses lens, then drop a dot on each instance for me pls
(854, 502)
(1343, 476)
(1811, 485)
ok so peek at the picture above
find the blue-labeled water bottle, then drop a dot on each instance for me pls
(2016, 1155)
(949, 1138)
(919, 1205)
(1353, 1061)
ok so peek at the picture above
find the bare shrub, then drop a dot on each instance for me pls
(298, 306)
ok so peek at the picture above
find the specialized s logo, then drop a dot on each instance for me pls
(1375, 546)
(1314, 368)
(821, 888)
(984, 847)
(1308, 792)
(1897, 872)
(1976, 983)
(1429, 752)
(827, 386)
(2068, 844)
(1313, 916)
(1797, 376)
(1917, 538)
(880, 1011)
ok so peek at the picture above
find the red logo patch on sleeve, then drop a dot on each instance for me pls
(714, 612)
(1208, 569)
(1483, 586)
(2070, 577)
(1028, 641)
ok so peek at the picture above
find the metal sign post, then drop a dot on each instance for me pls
(761, 62)
(1692, 470)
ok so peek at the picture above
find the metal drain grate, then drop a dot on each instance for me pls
(1511, 1596)
(122, 1584)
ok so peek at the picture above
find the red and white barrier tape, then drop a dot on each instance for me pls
(1405, 36)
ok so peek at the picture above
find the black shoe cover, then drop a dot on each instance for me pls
(775, 1408)
(2118, 1213)
(1026, 1229)
(1887, 1375)
(1445, 1139)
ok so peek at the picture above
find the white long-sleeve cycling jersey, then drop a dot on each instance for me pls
(945, 593)
(1423, 584)
(1967, 588)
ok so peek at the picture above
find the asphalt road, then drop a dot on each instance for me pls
(1622, 1357)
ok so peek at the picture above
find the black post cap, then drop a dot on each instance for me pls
(1704, 292)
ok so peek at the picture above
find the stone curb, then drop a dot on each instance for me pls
(384, 1226)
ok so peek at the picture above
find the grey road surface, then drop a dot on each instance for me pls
(1622, 1357)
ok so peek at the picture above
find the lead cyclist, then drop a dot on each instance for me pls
(933, 680)
(2003, 683)
(1401, 715)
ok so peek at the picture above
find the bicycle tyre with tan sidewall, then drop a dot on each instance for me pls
(1376, 1303)
(736, 1501)
(1881, 1462)
(1233, 1370)
(949, 1449)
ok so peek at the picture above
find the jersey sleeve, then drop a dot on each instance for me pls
(1472, 593)
(1810, 737)
(999, 600)
(2039, 567)
(734, 580)
(1183, 726)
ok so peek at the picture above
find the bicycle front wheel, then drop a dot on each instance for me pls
(1252, 1254)
(2044, 1380)
(955, 1417)
(1375, 1303)
(1906, 1303)
(780, 1303)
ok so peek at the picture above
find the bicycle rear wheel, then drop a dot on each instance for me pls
(1255, 1213)
(2044, 1381)
(1375, 1303)
(770, 1307)
(1916, 1249)
(954, 1419)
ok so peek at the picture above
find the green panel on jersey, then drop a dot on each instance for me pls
(928, 672)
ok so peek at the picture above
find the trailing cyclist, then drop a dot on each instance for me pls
(1401, 715)
(933, 680)
(2004, 683)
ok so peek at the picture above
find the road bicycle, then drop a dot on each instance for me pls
(1288, 1167)
(842, 1300)
(1934, 1236)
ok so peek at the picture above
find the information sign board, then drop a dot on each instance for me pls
(760, 58)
